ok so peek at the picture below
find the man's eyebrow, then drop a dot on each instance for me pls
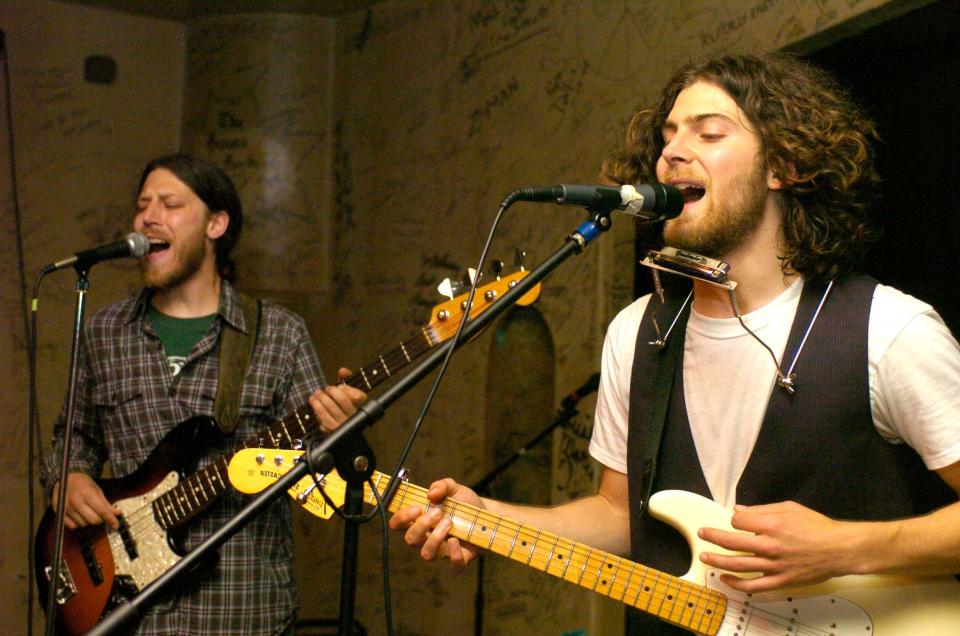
(696, 119)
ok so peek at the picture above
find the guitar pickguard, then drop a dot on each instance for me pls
(788, 614)
(153, 554)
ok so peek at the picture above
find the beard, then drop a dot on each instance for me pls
(186, 263)
(729, 220)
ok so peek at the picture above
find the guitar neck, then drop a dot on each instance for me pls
(668, 597)
(367, 377)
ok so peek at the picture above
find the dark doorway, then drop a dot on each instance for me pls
(906, 73)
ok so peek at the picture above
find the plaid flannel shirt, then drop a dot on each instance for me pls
(127, 401)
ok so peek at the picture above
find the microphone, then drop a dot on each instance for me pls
(592, 384)
(135, 245)
(653, 202)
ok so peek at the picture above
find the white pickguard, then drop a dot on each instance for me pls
(154, 554)
(849, 605)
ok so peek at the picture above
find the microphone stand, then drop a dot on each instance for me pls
(568, 410)
(123, 617)
(53, 587)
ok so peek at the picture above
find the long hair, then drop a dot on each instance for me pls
(813, 138)
(217, 192)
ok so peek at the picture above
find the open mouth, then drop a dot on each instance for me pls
(691, 192)
(157, 245)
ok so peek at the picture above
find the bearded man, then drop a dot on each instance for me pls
(157, 359)
(820, 408)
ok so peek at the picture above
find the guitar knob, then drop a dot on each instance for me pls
(518, 257)
(259, 458)
(278, 460)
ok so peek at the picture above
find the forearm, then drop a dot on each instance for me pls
(929, 544)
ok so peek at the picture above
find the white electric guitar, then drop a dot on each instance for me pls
(697, 601)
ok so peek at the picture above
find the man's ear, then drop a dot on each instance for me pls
(217, 224)
(776, 182)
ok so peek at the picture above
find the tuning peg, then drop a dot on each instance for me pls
(470, 278)
(496, 267)
(518, 257)
(449, 289)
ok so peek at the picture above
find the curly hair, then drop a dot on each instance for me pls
(217, 192)
(813, 138)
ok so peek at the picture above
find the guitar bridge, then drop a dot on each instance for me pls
(66, 589)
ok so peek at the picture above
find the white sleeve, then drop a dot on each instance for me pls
(608, 443)
(914, 377)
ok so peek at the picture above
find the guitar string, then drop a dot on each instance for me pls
(142, 518)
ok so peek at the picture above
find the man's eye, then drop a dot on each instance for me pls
(711, 136)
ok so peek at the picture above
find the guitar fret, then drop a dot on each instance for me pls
(550, 555)
(222, 466)
(171, 510)
(616, 574)
(583, 568)
(303, 428)
(626, 584)
(654, 596)
(188, 489)
(426, 336)
(493, 533)
(386, 369)
(473, 524)
(203, 491)
(184, 502)
(181, 513)
(570, 554)
(533, 546)
(283, 429)
(363, 375)
(516, 535)
(405, 354)
(160, 512)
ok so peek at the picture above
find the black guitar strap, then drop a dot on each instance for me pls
(651, 386)
(236, 352)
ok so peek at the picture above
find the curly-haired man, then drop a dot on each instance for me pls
(820, 407)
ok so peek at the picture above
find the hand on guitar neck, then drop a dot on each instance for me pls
(334, 403)
(429, 529)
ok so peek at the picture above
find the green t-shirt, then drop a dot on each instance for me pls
(178, 335)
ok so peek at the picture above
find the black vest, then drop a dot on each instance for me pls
(818, 447)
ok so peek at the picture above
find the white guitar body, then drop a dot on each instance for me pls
(849, 605)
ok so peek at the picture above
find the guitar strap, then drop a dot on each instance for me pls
(236, 352)
(655, 394)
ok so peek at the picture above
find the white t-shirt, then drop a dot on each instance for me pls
(914, 374)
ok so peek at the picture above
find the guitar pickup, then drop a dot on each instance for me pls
(93, 566)
(128, 543)
(66, 589)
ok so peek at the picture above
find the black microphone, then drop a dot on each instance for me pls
(650, 202)
(135, 245)
(592, 384)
